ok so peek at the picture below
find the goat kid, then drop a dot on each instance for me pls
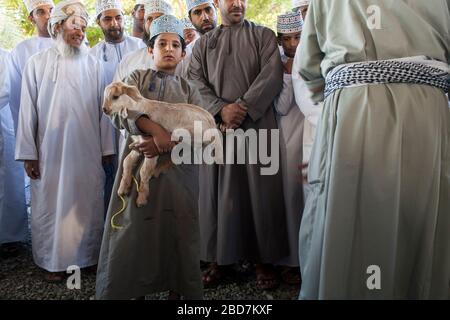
(121, 98)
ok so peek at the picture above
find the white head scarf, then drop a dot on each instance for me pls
(64, 10)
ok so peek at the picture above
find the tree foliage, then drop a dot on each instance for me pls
(15, 26)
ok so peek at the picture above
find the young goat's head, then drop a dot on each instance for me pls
(120, 98)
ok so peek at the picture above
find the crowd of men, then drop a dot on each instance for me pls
(374, 139)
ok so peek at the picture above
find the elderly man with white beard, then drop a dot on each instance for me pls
(62, 138)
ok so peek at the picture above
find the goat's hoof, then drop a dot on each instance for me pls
(140, 204)
(141, 201)
(124, 190)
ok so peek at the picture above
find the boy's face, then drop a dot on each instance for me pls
(167, 52)
(290, 42)
(189, 35)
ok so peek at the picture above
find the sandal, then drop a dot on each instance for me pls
(266, 277)
(54, 277)
(90, 270)
(291, 275)
(173, 296)
(11, 249)
(213, 275)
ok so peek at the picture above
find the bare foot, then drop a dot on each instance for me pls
(54, 277)
(173, 296)
(266, 277)
(213, 275)
(291, 275)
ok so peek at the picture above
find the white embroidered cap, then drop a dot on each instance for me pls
(166, 24)
(191, 4)
(157, 6)
(103, 5)
(290, 22)
(33, 4)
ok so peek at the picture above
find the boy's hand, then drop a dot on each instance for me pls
(147, 147)
(32, 169)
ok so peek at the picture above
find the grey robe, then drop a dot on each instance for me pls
(291, 121)
(158, 248)
(242, 212)
(380, 165)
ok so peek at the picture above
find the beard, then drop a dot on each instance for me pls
(113, 35)
(66, 50)
(204, 30)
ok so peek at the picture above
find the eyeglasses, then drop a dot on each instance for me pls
(75, 23)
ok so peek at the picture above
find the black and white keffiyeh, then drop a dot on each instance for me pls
(386, 71)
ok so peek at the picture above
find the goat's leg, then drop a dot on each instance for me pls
(146, 172)
(129, 163)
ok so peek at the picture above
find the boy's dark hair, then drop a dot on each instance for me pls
(151, 43)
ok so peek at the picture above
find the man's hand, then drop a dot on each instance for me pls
(233, 115)
(288, 66)
(224, 127)
(304, 170)
(107, 160)
(32, 169)
(147, 147)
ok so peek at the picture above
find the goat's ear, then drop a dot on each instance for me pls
(123, 113)
(133, 93)
(107, 92)
(107, 97)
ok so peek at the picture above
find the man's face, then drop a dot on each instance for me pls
(148, 23)
(167, 51)
(304, 10)
(204, 17)
(232, 11)
(290, 42)
(111, 22)
(74, 31)
(39, 17)
(189, 35)
(138, 13)
(150, 18)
